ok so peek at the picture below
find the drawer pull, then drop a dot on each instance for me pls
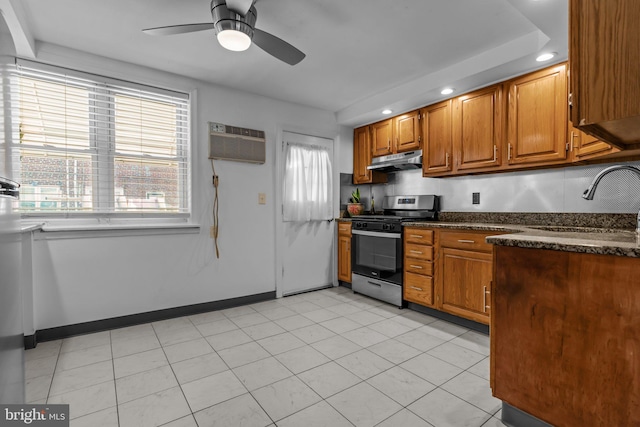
(419, 267)
(466, 241)
(415, 252)
(417, 236)
(416, 288)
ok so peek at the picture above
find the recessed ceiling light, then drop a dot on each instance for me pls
(446, 91)
(545, 56)
(386, 111)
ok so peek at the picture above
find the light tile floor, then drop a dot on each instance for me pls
(323, 358)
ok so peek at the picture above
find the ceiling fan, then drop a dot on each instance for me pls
(234, 24)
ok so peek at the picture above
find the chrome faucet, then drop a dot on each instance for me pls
(589, 192)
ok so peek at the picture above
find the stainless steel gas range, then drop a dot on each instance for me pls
(376, 245)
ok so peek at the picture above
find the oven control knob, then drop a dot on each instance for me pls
(385, 226)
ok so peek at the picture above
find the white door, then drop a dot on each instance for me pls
(307, 259)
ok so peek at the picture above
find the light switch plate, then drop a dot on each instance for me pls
(262, 199)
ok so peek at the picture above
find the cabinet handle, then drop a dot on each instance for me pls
(484, 299)
(419, 267)
(416, 288)
(466, 241)
(446, 160)
(495, 153)
(417, 236)
(509, 151)
(415, 252)
(573, 136)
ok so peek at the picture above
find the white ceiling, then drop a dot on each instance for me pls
(362, 55)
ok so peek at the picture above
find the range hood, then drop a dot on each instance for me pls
(397, 162)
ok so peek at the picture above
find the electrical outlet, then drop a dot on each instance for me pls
(262, 199)
(475, 198)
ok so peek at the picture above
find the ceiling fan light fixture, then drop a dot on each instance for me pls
(234, 31)
(234, 40)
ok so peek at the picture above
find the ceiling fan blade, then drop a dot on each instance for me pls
(178, 29)
(277, 47)
(240, 6)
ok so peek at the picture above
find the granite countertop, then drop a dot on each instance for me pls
(604, 234)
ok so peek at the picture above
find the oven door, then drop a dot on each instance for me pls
(377, 255)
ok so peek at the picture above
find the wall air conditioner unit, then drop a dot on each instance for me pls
(236, 144)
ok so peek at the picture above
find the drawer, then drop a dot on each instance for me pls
(418, 266)
(418, 235)
(344, 228)
(423, 252)
(466, 240)
(418, 289)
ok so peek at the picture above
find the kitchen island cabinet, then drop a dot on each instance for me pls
(565, 335)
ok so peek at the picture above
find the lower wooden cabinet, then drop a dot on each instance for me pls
(452, 271)
(344, 251)
(466, 283)
(418, 288)
(418, 266)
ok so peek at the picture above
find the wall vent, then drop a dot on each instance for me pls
(236, 144)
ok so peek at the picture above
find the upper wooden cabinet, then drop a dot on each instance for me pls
(362, 158)
(406, 132)
(381, 134)
(604, 54)
(585, 147)
(395, 135)
(437, 151)
(537, 118)
(478, 128)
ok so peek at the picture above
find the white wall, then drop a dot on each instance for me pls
(102, 276)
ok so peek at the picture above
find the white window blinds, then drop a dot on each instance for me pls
(92, 145)
(307, 184)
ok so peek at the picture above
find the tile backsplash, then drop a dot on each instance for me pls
(543, 190)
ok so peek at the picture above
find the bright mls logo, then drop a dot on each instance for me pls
(34, 415)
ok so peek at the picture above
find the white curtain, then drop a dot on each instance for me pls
(307, 183)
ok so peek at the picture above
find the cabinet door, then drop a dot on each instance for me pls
(406, 130)
(381, 138)
(466, 283)
(478, 129)
(537, 118)
(362, 158)
(585, 147)
(344, 258)
(437, 145)
(604, 55)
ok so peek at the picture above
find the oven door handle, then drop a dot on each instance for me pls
(375, 234)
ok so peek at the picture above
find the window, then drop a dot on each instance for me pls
(307, 183)
(93, 145)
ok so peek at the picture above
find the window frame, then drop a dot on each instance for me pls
(102, 143)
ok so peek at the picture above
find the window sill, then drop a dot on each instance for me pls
(60, 231)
